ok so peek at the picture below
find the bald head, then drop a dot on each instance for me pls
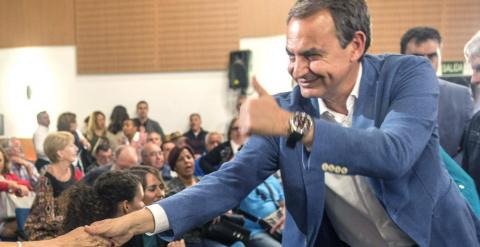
(152, 155)
(125, 157)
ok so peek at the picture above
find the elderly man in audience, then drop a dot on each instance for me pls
(472, 54)
(124, 157)
(471, 145)
(45, 216)
(212, 140)
(43, 120)
(23, 168)
(196, 135)
(152, 156)
(455, 106)
(144, 123)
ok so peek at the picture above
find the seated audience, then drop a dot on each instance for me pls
(96, 132)
(152, 156)
(124, 157)
(196, 135)
(102, 155)
(225, 151)
(43, 120)
(153, 190)
(262, 202)
(177, 138)
(212, 140)
(167, 146)
(10, 184)
(134, 137)
(155, 138)
(67, 121)
(45, 218)
(114, 133)
(113, 194)
(22, 167)
(144, 123)
(181, 160)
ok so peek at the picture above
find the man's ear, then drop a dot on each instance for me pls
(357, 46)
(123, 207)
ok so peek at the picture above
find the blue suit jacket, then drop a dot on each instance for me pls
(455, 109)
(393, 141)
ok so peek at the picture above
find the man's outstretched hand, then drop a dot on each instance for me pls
(114, 229)
(120, 230)
(263, 116)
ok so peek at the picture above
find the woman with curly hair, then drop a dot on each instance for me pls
(113, 194)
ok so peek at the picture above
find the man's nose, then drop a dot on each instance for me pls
(300, 67)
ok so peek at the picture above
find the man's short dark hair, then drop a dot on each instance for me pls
(104, 147)
(142, 102)
(39, 115)
(349, 17)
(419, 35)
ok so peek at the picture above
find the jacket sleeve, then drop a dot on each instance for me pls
(390, 150)
(211, 161)
(222, 190)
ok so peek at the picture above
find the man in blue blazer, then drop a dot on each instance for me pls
(455, 104)
(355, 127)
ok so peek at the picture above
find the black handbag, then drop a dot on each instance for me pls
(227, 231)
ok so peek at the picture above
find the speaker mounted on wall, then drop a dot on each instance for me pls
(238, 70)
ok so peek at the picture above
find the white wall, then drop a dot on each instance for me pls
(56, 87)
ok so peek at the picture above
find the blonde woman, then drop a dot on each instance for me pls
(96, 130)
(45, 218)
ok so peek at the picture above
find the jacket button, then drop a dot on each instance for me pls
(325, 167)
(338, 169)
(331, 168)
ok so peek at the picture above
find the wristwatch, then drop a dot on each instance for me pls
(300, 123)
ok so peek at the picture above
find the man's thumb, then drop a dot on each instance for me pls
(258, 88)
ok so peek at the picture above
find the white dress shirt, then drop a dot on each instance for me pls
(356, 214)
(38, 138)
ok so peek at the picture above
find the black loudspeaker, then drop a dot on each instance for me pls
(238, 67)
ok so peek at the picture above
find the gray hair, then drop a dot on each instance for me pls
(472, 48)
(349, 17)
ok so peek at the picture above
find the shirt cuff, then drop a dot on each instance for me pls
(160, 219)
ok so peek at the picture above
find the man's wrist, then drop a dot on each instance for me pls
(143, 222)
(285, 129)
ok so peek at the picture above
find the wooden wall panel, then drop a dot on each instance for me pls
(115, 36)
(456, 21)
(36, 23)
(263, 17)
(151, 35)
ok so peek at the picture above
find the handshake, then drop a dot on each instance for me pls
(108, 233)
